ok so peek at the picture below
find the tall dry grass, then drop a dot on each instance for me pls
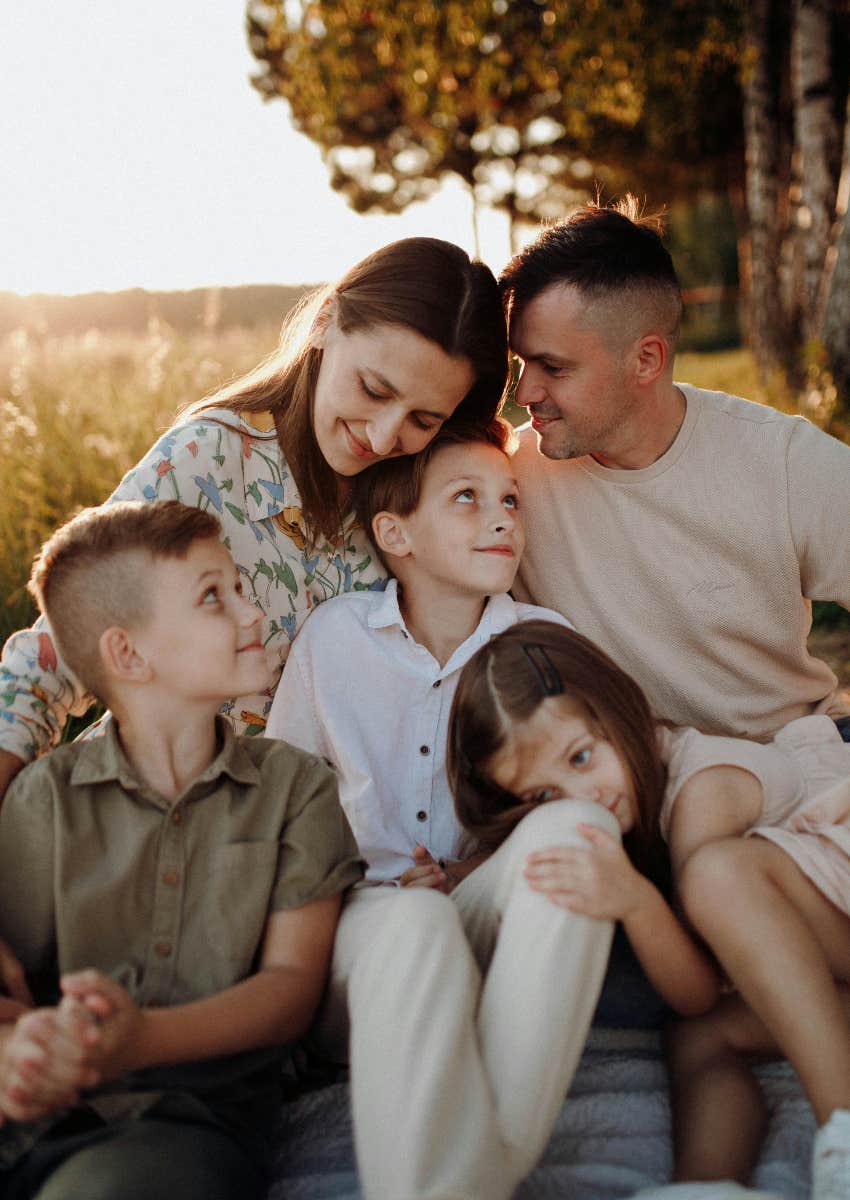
(76, 413)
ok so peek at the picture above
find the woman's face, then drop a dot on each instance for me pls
(382, 392)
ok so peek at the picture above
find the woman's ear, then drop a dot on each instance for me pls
(390, 534)
(323, 322)
(120, 656)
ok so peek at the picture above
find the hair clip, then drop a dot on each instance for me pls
(544, 669)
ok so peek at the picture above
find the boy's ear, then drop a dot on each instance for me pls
(121, 658)
(390, 535)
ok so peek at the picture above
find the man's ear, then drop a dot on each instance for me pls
(121, 657)
(323, 322)
(390, 534)
(651, 355)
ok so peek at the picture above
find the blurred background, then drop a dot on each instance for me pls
(175, 175)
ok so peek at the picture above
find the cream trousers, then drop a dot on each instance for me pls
(463, 1019)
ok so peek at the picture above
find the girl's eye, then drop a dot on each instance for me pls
(511, 501)
(542, 796)
(581, 757)
(238, 587)
(467, 496)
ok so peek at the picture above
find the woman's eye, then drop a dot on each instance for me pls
(370, 392)
(581, 757)
(427, 426)
(467, 496)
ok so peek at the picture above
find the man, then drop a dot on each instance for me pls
(685, 531)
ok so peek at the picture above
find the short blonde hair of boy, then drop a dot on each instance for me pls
(395, 485)
(91, 574)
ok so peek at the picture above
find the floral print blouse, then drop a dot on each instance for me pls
(229, 464)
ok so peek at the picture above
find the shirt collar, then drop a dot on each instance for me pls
(386, 612)
(102, 759)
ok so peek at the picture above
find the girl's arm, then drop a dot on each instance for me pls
(601, 882)
(269, 1008)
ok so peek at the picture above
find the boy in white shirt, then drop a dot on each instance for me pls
(463, 1016)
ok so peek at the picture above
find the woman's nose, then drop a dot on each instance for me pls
(383, 433)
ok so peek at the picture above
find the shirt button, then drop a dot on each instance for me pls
(163, 949)
(424, 749)
(422, 815)
(436, 683)
(171, 878)
(177, 816)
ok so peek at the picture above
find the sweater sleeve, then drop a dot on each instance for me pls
(819, 512)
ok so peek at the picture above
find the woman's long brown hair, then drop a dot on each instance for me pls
(423, 284)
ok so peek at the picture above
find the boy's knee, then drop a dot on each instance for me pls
(418, 924)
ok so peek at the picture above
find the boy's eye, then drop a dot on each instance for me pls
(511, 501)
(581, 757)
(210, 596)
(238, 587)
(467, 496)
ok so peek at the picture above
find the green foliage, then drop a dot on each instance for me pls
(526, 100)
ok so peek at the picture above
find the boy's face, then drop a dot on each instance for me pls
(466, 531)
(203, 639)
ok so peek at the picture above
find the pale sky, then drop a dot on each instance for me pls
(134, 152)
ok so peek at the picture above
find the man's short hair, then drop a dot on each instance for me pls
(604, 252)
(395, 484)
(90, 575)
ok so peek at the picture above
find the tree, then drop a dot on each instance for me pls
(524, 100)
(795, 95)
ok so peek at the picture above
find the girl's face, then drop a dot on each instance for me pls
(382, 392)
(557, 754)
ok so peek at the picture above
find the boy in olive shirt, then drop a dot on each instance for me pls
(171, 890)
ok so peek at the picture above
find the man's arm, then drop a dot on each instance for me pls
(270, 1008)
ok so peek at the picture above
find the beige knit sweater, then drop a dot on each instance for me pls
(696, 573)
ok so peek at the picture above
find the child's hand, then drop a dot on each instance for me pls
(426, 873)
(45, 1061)
(12, 978)
(119, 1019)
(598, 881)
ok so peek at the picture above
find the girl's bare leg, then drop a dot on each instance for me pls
(784, 945)
(719, 1116)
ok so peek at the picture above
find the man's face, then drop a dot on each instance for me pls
(574, 380)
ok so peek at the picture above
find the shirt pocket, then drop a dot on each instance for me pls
(240, 884)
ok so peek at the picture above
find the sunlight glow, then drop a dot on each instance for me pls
(134, 152)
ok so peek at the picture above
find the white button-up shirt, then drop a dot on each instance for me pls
(360, 692)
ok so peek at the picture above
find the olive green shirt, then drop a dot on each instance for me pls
(168, 898)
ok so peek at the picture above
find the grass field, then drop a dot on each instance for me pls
(77, 412)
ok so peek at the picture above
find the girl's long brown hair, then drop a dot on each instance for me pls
(423, 284)
(503, 684)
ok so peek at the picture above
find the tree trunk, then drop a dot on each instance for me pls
(762, 133)
(816, 136)
(835, 330)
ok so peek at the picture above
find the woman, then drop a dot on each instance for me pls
(408, 337)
